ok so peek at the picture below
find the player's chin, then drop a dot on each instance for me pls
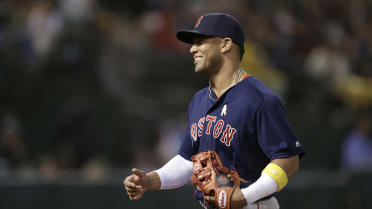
(198, 69)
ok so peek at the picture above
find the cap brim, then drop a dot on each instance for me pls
(187, 36)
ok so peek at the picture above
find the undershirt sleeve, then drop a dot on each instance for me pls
(175, 173)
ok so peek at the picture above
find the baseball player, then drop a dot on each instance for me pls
(236, 116)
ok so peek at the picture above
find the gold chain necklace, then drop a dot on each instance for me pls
(236, 77)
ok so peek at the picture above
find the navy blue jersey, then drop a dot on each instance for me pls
(246, 126)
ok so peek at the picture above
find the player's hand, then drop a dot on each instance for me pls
(136, 184)
(237, 200)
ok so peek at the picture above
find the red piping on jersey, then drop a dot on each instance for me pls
(246, 76)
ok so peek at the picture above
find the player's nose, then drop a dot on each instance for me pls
(193, 49)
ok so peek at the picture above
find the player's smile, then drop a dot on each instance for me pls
(204, 51)
(197, 48)
(197, 59)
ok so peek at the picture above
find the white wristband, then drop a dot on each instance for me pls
(263, 187)
(175, 173)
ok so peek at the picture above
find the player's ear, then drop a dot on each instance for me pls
(226, 44)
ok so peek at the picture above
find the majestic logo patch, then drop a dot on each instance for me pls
(198, 22)
(222, 199)
(298, 144)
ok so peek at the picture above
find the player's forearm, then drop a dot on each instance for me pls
(153, 181)
(289, 165)
(175, 173)
(273, 178)
(237, 199)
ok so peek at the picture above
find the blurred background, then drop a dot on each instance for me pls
(91, 88)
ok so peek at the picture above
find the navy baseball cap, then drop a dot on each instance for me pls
(215, 24)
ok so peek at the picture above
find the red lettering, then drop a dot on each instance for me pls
(218, 128)
(193, 132)
(201, 126)
(228, 135)
(210, 120)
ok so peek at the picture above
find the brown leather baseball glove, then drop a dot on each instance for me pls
(211, 178)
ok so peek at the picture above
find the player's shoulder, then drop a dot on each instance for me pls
(201, 92)
(257, 92)
(199, 96)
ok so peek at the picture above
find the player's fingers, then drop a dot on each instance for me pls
(136, 179)
(135, 193)
(131, 189)
(134, 189)
(205, 174)
(137, 197)
(136, 170)
(132, 193)
(139, 173)
(132, 197)
(209, 198)
(130, 183)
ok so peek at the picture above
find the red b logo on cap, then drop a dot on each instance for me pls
(198, 22)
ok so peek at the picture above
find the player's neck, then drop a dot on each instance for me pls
(225, 78)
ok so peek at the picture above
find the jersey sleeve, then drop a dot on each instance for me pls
(187, 148)
(275, 135)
